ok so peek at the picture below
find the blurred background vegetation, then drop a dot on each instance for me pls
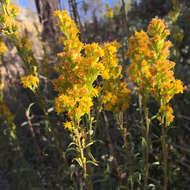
(31, 161)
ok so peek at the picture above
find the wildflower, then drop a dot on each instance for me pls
(68, 125)
(2, 48)
(167, 112)
(116, 95)
(30, 81)
(156, 27)
(78, 72)
(150, 69)
(109, 12)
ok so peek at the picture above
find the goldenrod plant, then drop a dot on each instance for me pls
(9, 27)
(91, 97)
(24, 48)
(109, 13)
(153, 73)
(78, 73)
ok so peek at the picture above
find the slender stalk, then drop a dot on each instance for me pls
(88, 151)
(126, 147)
(147, 165)
(143, 108)
(165, 157)
(43, 105)
(82, 158)
(115, 163)
(99, 109)
(31, 129)
(81, 152)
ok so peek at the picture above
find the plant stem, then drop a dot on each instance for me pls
(143, 108)
(43, 105)
(115, 163)
(89, 167)
(165, 157)
(147, 147)
(81, 150)
(97, 118)
(126, 146)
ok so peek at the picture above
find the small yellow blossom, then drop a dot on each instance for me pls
(150, 68)
(109, 12)
(167, 112)
(3, 48)
(68, 125)
(30, 81)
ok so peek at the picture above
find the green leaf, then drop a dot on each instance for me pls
(92, 157)
(153, 186)
(28, 110)
(143, 144)
(79, 161)
(156, 163)
(72, 168)
(90, 144)
(72, 143)
(71, 149)
(91, 162)
(12, 134)
(50, 109)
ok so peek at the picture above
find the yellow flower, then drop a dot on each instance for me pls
(109, 12)
(14, 10)
(156, 26)
(95, 92)
(179, 86)
(30, 81)
(150, 69)
(3, 48)
(68, 125)
(80, 65)
(167, 112)
(5, 112)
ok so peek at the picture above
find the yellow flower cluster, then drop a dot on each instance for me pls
(167, 113)
(7, 14)
(68, 125)
(24, 47)
(116, 95)
(80, 65)
(115, 92)
(3, 48)
(110, 68)
(9, 27)
(78, 71)
(31, 81)
(109, 11)
(5, 113)
(24, 43)
(150, 69)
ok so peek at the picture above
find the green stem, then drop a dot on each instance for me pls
(143, 108)
(89, 167)
(165, 157)
(43, 105)
(99, 109)
(110, 145)
(147, 147)
(81, 150)
(126, 146)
